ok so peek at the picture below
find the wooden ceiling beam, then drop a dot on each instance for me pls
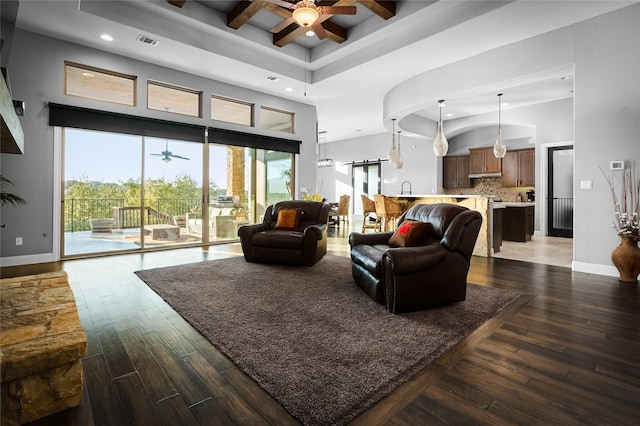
(178, 3)
(243, 12)
(277, 10)
(246, 9)
(335, 32)
(384, 9)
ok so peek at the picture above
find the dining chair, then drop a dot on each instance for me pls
(342, 213)
(368, 208)
(387, 210)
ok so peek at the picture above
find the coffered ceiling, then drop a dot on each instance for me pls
(347, 80)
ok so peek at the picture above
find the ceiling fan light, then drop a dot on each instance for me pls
(305, 16)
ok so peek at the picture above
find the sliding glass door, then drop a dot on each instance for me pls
(101, 179)
(131, 193)
(172, 189)
(124, 192)
(366, 180)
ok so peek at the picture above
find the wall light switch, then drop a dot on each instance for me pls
(586, 184)
(18, 241)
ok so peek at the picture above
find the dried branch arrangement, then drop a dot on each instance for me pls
(626, 201)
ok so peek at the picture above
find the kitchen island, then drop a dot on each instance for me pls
(482, 204)
(518, 221)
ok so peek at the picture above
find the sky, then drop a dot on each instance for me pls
(110, 157)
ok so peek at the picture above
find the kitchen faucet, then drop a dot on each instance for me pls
(402, 187)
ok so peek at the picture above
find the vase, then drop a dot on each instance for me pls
(626, 257)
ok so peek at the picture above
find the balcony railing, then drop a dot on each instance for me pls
(79, 211)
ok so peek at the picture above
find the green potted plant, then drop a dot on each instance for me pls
(7, 197)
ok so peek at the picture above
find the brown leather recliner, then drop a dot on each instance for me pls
(303, 244)
(430, 274)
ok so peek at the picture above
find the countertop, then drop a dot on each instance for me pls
(462, 196)
(502, 205)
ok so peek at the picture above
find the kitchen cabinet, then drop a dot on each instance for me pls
(455, 172)
(518, 168)
(482, 162)
(518, 222)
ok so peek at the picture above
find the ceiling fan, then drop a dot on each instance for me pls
(307, 14)
(168, 155)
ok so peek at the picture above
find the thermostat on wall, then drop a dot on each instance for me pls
(617, 165)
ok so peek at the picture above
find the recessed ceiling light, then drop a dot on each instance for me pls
(289, 89)
(310, 33)
(566, 77)
(88, 74)
(449, 115)
(504, 104)
(106, 37)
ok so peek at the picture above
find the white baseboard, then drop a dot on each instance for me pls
(592, 268)
(28, 259)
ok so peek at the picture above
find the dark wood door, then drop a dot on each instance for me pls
(560, 191)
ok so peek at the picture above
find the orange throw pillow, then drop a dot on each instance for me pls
(288, 219)
(410, 233)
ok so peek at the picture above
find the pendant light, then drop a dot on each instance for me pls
(324, 161)
(440, 144)
(399, 161)
(394, 153)
(499, 149)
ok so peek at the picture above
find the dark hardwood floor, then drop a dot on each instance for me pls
(568, 352)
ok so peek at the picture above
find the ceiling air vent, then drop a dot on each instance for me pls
(273, 78)
(147, 40)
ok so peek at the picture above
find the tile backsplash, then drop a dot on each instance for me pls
(490, 186)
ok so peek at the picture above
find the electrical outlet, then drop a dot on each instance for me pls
(18, 241)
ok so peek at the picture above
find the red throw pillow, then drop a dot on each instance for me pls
(410, 233)
(288, 218)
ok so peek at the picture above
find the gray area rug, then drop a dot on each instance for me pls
(309, 336)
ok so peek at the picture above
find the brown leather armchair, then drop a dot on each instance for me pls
(302, 243)
(429, 274)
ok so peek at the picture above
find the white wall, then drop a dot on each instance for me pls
(36, 67)
(607, 126)
(417, 154)
(605, 53)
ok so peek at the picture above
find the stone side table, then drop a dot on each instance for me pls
(41, 344)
